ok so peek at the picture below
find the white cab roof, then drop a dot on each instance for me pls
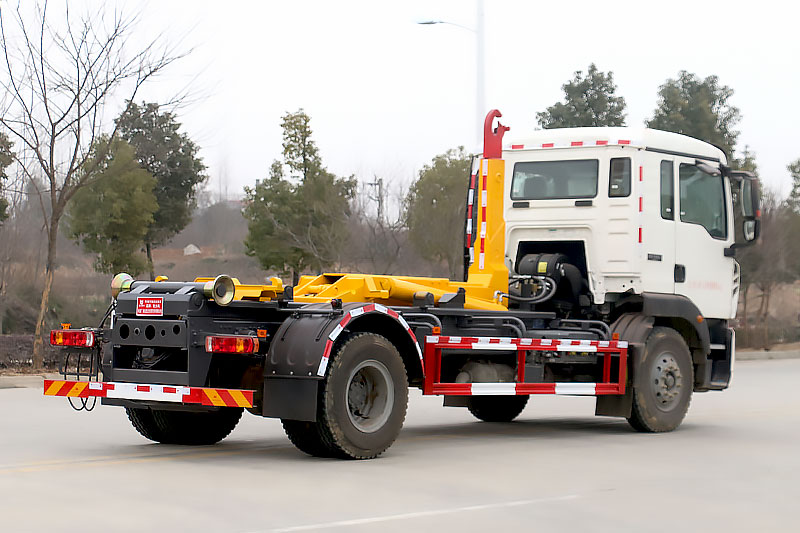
(622, 136)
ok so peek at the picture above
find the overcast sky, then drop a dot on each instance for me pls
(386, 95)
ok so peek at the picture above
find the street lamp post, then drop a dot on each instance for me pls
(480, 97)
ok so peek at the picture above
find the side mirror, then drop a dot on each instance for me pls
(751, 229)
(751, 199)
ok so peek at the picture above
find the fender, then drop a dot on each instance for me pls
(301, 348)
(682, 315)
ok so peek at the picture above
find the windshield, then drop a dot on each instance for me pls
(703, 200)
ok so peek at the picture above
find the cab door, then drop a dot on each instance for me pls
(703, 230)
(658, 241)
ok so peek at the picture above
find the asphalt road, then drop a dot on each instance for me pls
(732, 466)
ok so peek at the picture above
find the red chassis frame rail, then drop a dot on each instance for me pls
(434, 345)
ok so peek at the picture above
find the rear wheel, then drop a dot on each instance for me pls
(496, 408)
(362, 402)
(306, 437)
(662, 388)
(182, 427)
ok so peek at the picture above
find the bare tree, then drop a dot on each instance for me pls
(60, 72)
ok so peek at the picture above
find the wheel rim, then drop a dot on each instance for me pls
(370, 396)
(667, 381)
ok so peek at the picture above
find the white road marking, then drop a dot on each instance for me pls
(418, 514)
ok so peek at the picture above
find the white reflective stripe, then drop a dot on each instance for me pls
(603, 344)
(356, 312)
(469, 226)
(576, 348)
(454, 340)
(419, 351)
(717, 346)
(322, 366)
(483, 230)
(546, 342)
(403, 321)
(381, 309)
(493, 346)
(469, 198)
(127, 391)
(471, 255)
(480, 261)
(576, 388)
(336, 331)
(484, 197)
(95, 385)
(432, 339)
(526, 341)
(494, 389)
(622, 344)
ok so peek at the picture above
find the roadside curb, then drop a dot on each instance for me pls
(772, 354)
(25, 381)
(32, 381)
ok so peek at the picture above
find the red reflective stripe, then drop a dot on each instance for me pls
(640, 235)
(171, 390)
(601, 143)
(517, 146)
(328, 348)
(65, 388)
(547, 145)
(640, 173)
(640, 204)
(226, 397)
(576, 143)
(345, 320)
(623, 142)
(392, 313)
(143, 388)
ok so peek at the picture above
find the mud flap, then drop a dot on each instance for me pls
(616, 404)
(291, 398)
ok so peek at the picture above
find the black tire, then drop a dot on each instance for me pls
(496, 408)
(307, 437)
(662, 387)
(362, 401)
(182, 427)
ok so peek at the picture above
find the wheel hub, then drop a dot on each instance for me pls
(667, 381)
(370, 396)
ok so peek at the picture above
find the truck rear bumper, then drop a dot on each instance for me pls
(149, 393)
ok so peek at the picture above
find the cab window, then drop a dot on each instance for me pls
(702, 200)
(667, 190)
(619, 177)
(550, 180)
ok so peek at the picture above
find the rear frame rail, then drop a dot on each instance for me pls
(607, 350)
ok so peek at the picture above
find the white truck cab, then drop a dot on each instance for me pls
(639, 210)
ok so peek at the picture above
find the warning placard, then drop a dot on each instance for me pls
(149, 306)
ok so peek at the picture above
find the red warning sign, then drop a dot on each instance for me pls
(149, 306)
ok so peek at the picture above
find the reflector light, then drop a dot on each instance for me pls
(72, 337)
(231, 344)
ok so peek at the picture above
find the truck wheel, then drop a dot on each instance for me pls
(364, 397)
(307, 437)
(662, 388)
(496, 408)
(182, 427)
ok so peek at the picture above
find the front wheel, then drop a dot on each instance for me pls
(662, 386)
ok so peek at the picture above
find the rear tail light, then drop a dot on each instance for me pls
(72, 337)
(231, 344)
